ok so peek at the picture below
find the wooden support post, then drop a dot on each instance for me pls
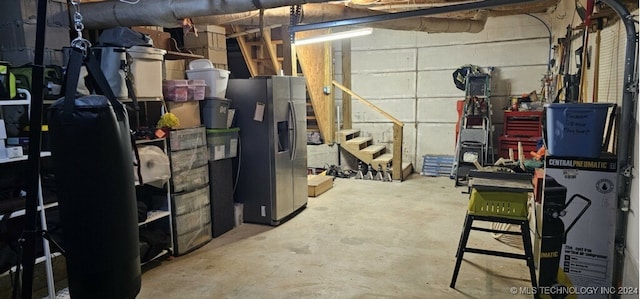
(397, 152)
(347, 121)
(331, 107)
(271, 51)
(288, 53)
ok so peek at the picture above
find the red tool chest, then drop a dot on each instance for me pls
(523, 123)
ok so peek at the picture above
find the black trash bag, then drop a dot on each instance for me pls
(123, 37)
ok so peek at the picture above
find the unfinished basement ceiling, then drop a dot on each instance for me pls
(100, 14)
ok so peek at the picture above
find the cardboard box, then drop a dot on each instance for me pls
(188, 113)
(210, 36)
(161, 39)
(318, 184)
(217, 56)
(578, 224)
(174, 69)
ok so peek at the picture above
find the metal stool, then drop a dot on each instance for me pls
(502, 207)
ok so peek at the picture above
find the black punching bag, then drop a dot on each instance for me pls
(91, 151)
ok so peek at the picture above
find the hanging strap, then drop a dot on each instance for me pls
(71, 82)
(132, 95)
(102, 85)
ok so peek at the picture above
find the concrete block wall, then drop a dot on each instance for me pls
(18, 27)
(409, 75)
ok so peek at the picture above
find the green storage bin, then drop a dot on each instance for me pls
(222, 143)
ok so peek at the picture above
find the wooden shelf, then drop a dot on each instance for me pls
(172, 55)
(155, 215)
(23, 158)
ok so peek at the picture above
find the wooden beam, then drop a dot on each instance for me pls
(271, 51)
(347, 121)
(312, 59)
(327, 90)
(246, 52)
(397, 153)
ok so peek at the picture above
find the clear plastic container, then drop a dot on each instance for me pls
(196, 90)
(175, 90)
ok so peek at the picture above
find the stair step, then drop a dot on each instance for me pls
(349, 134)
(373, 151)
(359, 143)
(384, 158)
(349, 131)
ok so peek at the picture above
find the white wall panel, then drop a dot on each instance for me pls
(435, 139)
(394, 60)
(402, 109)
(385, 39)
(384, 85)
(497, 54)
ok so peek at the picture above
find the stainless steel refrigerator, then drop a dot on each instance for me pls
(272, 166)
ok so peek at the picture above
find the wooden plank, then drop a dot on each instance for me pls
(397, 152)
(271, 50)
(328, 77)
(372, 106)
(246, 52)
(318, 184)
(313, 61)
(347, 120)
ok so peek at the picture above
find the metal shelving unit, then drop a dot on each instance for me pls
(48, 256)
(154, 216)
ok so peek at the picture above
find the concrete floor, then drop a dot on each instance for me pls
(360, 239)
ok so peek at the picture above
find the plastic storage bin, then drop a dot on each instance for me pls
(222, 143)
(188, 159)
(190, 179)
(184, 203)
(215, 79)
(214, 113)
(196, 90)
(187, 138)
(190, 241)
(146, 71)
(175, 90)
(575, 130)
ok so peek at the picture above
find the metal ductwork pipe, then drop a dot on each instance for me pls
(168, 13)
(313, 13)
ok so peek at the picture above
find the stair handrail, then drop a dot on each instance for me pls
(397, 131)
(372, 106)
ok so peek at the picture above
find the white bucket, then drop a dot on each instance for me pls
(146, 71)
(216, 80)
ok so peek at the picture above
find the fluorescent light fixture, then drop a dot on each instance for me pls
(333, 36)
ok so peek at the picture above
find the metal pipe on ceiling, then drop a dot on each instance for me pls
(408, 14)
(312, 13)
(168, 13)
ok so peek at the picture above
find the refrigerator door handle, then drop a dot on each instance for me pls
(294, 130)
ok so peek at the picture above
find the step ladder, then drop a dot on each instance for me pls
(474, 142)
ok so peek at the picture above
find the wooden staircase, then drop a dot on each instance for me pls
(266, 53)
(375, 154)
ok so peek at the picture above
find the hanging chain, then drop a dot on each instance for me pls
(294, 18)
(79, 42)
